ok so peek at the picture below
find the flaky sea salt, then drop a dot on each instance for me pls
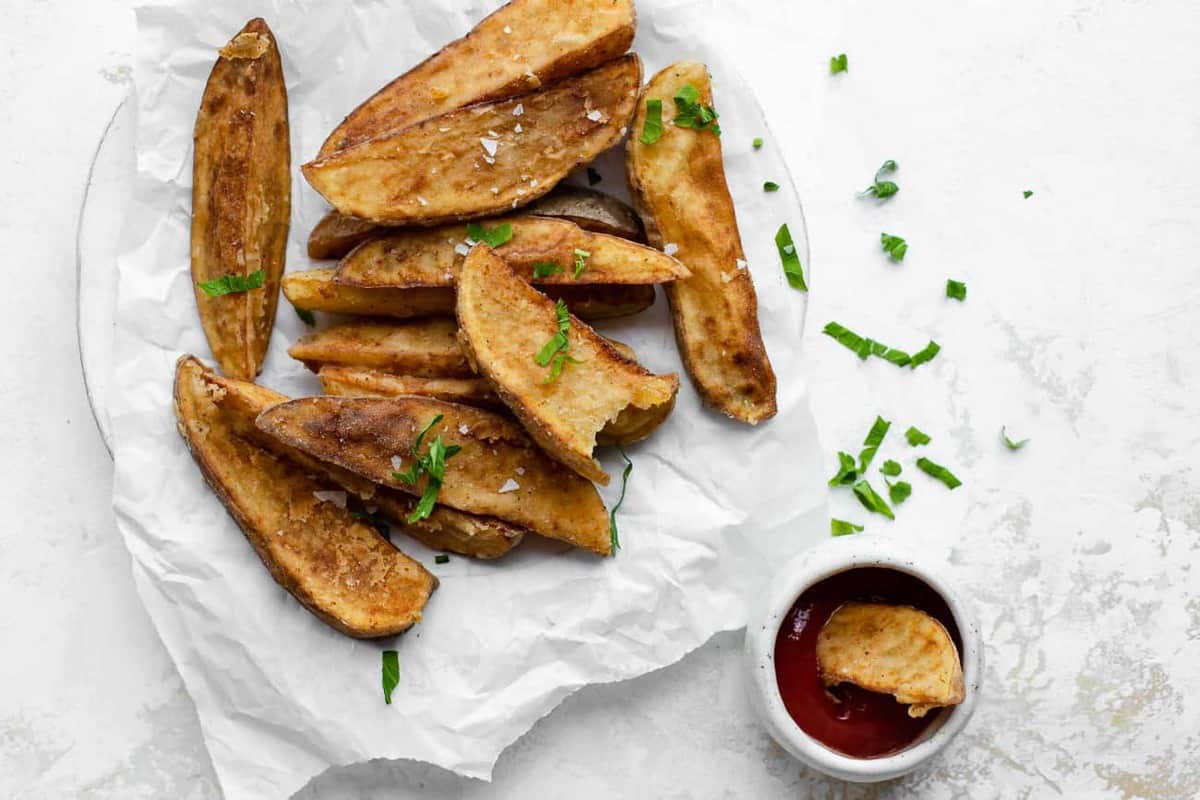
(332, 496)
(509, 486)
(519, 110)
(490, 145)
(397, 463)
(671, 248)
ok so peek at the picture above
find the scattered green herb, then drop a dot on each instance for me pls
(894, 246)
(581, 257)
(431, 464)
(916, 437)
(612, 517)
(770, 186)
(925, 354)
(492, 237)
(839, 63)
(864, 347)
(1028, 193)
(847, 472)
(391, 674)
(938, 471)
(1009, 443)
(652, 128)
(792, 267)
(441, 559)
(544, 269)
(758, 143)
(881, 188)
(305, 316)
(840, 527)
(233, 284)
(875, 437)
(689, 113)
(872, 501)
(956, 290)
(891, 468)
(593, 176)
(555, 353)
(899, 491)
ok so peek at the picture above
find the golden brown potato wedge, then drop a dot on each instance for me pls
(504, 323)
(499, 473)
(523, 45)
(340, 569)
(426, 258)
(336, 234)
(427, 348)
(241, 197)
(444, 529)
(680, 192)
(896, 650)
(482, 160)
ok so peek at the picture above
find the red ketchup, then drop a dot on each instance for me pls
(864, 724)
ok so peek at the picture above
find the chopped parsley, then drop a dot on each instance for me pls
(758, 143)
(848, 470)
(544, 269)
(899, 491)
(938, 471)
(593, 176)
(233, 284)
(916, 437)
(492, 237)
(612, 516)
(872, 501)
(431, 464)
(865, 347)
(441, 559)
(925, 354)
(1009, 443)
(956, 290)
(839, 63)
(770, 186)
(881, 188)
(305, 316)
(581, 257)
(690, 113)
(1028, 193)
(894, 246)
(555, 353)
(792, 267)
(891, 468)
(391, 674)
(840, 527)
(652, 128)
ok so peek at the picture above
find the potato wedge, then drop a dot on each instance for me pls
(896, 650)
(499, 473)
(427, 258)
(452, 167)
(336, 234)
(241, 196)
(427, 348)
(504, 322)
(341, 570)
(523, 45)
(679, 189)
(445, 529)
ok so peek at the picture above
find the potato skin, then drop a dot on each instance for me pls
(679, 189)
(336, 234)
(241, 196)
(340, 569)
(438, 171)
(517, 49)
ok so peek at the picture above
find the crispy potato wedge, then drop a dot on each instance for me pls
(241, 196)
(896, 650)
(445, 529)
(427, 348)
(341, 570)
(426, 258)
(679, 189)
(446, 168)
(504, 322)
(591, 210)
(523, 45)
(336, 234)
(499, 473)
(633, 424)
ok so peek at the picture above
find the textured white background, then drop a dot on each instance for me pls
(1080, 331)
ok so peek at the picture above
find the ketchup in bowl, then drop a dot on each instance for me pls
(864, 724)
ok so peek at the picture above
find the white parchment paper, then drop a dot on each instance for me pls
(711, 503)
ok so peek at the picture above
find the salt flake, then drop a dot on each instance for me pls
(509, 486)
(332, 496)
(671, 248)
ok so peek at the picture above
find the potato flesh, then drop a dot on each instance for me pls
(336, 234)
(341, 570)
(445, 169)
(241, 196)
(426, 348)
(363, 434)
(679, 189)
(523, 45)
(504, 322)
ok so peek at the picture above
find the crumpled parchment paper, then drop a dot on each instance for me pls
(710, 505)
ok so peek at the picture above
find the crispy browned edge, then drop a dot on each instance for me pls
(713, 220)
(399, 103)
(193, 429)
(615, 128)
(241, 198)
(337, 234)
(585, 465)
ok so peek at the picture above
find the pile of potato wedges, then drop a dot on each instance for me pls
(465, 392)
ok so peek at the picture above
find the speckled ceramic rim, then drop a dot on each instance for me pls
(839, 555)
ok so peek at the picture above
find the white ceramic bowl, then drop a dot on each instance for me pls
(839, 555)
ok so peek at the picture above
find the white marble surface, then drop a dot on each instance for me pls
(1080, 332)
